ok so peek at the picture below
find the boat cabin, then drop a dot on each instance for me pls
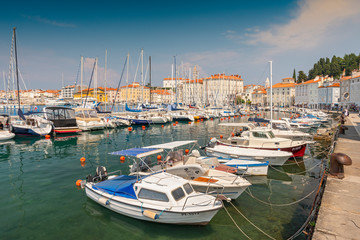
(61, 116)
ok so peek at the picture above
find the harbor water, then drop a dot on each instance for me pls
(39, 198)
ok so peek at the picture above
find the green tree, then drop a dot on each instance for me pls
(294, 74)
(301, 77)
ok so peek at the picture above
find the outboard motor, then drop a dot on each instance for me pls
(212, 143)
(101, 173)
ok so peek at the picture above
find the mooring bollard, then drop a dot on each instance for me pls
(342, 129)
(337, 162)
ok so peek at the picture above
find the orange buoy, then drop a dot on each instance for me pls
(143, 127)
(186, 151)
(229, 117)
(78, 182)
(221, 136)
(189, 122)
(47, 136)
(82, 159)
(176, 122)
(232, 134)
(279, 118)
(198, 120)
(212, 119)
(162, 126)
(159, 158)
(122, 159)
(202, 119)
(130, 129)
(82, 164)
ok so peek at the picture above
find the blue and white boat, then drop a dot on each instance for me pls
(159, 197)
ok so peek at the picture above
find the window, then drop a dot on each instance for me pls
(271, 134)
(178, 194)
(79, 114)
(259, 135)
(188, 188)
(92, 114)
(153, 195)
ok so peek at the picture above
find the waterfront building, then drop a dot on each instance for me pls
(67, 92)
(92, 93)
(283, 93)
(259, 96)
(345, 82)
(159, 96)
(306, 93)
(217, 90)
(247, 92)
(354, 98)
(134, 93)
(221, 89)
(329, 95)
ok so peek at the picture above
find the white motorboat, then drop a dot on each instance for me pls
(88, 120)
(6, 135)
(261, 138)
(275, 158)
(181, 116)
(281, 130)
(31, 125)
(208, 180)
(159, 197)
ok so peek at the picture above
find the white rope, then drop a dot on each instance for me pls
(251, 222)
(235, 222)
(299, 173)
(279, 205)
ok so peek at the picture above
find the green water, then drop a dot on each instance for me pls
(39, 199)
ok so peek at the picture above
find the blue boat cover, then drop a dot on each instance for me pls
(119, 186)
(135, 152)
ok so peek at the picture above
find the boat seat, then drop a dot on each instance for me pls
(191, 160)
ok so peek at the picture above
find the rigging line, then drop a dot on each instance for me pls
(137, 68)
(88, 90)
(235, 222)
(298, 232)
(117, 89)
(251, 222)
(279, 205)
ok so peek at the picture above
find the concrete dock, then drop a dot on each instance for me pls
(339, 215)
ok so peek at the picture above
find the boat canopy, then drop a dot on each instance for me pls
(119, 186)
(171, 145)
(138, 152)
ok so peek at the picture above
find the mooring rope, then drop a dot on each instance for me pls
(235, 222)
(279, 205)
(251, 222)
(299, 173)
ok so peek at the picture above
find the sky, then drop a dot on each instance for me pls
(231, 37)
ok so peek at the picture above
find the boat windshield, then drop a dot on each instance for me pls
(92, 114)
(79, 114)
(153, 195)
(260, 134)
(178, 193)
(271, 134)
(188, 188)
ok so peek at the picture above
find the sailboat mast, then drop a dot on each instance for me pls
(142, 75)
(105, 77)
(127, 76)
(176, 96)
(271, 95)
(150, 76)
(17, 69)
(81, 76)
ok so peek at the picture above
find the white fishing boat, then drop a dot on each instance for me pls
(275, 158)
(282, 130)
(264, 139)
(159, 197)
(244, 167)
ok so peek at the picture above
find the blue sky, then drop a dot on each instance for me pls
(232, 37)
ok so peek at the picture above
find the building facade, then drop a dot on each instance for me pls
(283, 94)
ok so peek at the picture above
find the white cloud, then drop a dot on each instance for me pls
(314, 23)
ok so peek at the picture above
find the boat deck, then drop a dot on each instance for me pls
(339, 215)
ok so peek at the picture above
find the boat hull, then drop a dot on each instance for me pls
(134, 208)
